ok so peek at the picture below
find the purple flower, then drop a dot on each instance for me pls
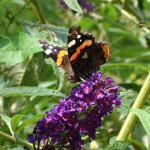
(78, 114)
(31, 138)
(83, 3)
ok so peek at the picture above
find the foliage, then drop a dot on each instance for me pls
(31, 83)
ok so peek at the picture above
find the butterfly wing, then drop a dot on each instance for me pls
(59, 55)
(84, 53)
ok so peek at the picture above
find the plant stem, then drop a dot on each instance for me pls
(13, 17)
(33, 9)
(13, 140)
(131, 118)
(40, 12)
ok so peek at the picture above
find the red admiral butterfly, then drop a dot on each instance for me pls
(83, 57)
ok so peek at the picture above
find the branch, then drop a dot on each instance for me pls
(13, 17)
(131, 118)
(13, 140)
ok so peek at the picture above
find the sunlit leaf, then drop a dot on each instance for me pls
(28, 121)
(17, 47)
(144, 118)
(8, 122)
(112, 139)
(124, 110)
(15, 120)
(28, 91)
(73, 4)
(119, 145)
(59, 72)
(54, 34)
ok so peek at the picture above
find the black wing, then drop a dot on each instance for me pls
(84, 53)
(59, 55)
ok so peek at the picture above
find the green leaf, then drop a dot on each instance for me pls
(73, 4)
(4, 147)
(8, 122)
(144, 55)
(144, 118)
(112, 139)
(20, 2)
(16, 148)
(133, 86)
(16, 73)
(54, 34)
(28, 91)
(118, 30)
(59, 72)
(142, 146)
(17, 47)
(119, 145)
(28, 121)
(124, 110)
(60, 79)
(15, 120)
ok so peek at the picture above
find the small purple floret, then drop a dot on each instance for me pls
(80, 113)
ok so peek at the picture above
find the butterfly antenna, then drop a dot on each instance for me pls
(82, 79)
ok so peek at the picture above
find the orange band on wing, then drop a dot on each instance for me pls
(60, 56)
(78, 50)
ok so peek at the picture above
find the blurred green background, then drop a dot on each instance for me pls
(124, 24)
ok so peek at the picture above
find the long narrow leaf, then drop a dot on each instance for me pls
(28, 91)
(8, 122)
(28, 121)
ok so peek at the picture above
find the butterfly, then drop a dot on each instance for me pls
(83, 55)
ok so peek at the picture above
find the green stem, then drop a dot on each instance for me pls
(40, 12)
(33, 9)
(13, 17)
(131, 118)
(13, 140)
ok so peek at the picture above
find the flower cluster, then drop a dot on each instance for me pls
(78, 114)
(84, 4)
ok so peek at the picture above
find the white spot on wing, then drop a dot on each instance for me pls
(41, 45)
(78, 36)
(71, 43)
(55, 50)
(50, 47)
(80, 40)
(48, 51)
